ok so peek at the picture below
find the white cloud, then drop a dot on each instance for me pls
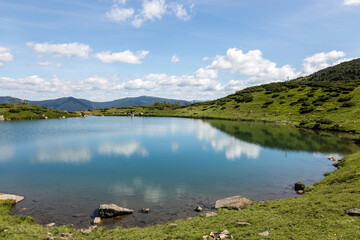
(322, 60)
(5, 56)
(252, 64)
(74, 49)
(150, 10)
(122, 57)
(351, 2)
(206, 73)
(175, 59)
(126, 149)
(46, 64)
(153, 9)
(119, 14)
(179, 11)
(205, 58)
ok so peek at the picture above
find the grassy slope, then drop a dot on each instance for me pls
(319, 214)
(31, 112)
(328, 99)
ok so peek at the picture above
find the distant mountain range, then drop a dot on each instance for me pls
(76, 104)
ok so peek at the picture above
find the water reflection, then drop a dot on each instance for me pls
(77, 156)
(287, 138)
(126, 149)
(6, 153)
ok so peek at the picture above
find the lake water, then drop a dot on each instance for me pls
(66, 168)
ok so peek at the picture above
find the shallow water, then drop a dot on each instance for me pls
(66, 168)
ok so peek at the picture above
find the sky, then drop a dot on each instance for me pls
(104, 50)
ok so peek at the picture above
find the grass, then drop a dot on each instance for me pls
(31, 112)
(319, 214)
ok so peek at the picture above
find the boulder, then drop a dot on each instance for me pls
(299, 186)
(353, 212)
(237, 202)
(112, 210)
(333, 159)
(11, 197)
(2, 118)
(300, 192)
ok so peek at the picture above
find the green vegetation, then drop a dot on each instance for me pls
(23, 111)
(328, 100)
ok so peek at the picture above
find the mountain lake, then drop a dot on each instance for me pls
(66, 168)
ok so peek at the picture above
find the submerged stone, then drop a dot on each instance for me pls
(17, 198)
(112, 210)
(299, 186)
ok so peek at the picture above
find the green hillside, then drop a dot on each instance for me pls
(328, 99)
(23, 111)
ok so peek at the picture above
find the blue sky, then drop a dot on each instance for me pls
(185, 49)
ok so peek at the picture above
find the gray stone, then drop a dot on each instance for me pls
(88, 230)
(50, 224)
(237, 202)
(333, 159)
(211, 214)
(266, 233)
(11, 197)
(299, 186)
(353, 212)
(112, 210)
(145, 210)
(198, 209)
(2, 118)
(243, 224)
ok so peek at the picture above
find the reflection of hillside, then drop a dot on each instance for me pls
(287, 138)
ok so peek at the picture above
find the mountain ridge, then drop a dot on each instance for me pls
(78, 104)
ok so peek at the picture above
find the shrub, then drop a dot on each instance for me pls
(275, 95)
(324, 121)
(266, 104)
(306, 109)
(222, 108)
(291, 95)
(345, 99)
(13, 110)
(348, 104)
(247, 97)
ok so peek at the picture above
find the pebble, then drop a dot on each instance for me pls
(97, 220)
(243, 223)
(266, 233)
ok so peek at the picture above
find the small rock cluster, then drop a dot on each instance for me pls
(299, 188)
(216, 235)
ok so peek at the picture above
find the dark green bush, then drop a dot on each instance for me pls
(275, 95)
(345, 99)
(306, 109)
(266, 104)
(324, 121)
(14, 110)
(348, 104)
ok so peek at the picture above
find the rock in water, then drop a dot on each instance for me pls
(198, 209)
(237, 202)
(112, 210)
(299, 186)
(97, 220)
(11, 197)
(353, 212)
(333, 159)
